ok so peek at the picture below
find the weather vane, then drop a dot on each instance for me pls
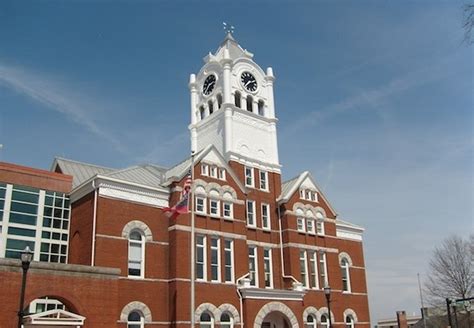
(228, 28)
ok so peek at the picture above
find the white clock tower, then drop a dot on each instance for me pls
(232, 107)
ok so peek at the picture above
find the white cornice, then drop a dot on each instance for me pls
(272, 294)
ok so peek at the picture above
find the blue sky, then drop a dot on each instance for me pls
(378, 96)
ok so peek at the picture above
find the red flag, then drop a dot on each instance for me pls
(183, 205)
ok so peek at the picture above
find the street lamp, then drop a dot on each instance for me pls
(327, 293)
(26, 257)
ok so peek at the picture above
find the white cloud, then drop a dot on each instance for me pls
(56, 96)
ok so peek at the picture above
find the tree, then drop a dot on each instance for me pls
(451, 270)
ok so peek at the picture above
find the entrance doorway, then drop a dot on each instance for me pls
(275, 319)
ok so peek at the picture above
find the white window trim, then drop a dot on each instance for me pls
(254, 224)
(222, 173)
(231, 210)
(270, 265)
(218, 214)
(302, 227)
(314, 266)
(218, 249)
(303, 255)
(204, 201)
(142, 262)
(265, 173)
(348, 274)
(269, 225)
(231, 249)
(323, 259)
(255, 258)
(311, 231)
(205, 169)
(204, 258)
(213, 171)
(252, 176)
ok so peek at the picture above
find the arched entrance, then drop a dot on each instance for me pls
(275, 315)
(51, 312)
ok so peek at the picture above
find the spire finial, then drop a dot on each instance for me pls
(228, 29)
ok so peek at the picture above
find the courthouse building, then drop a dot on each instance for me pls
(107, 255)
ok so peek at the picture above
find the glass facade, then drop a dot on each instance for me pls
(35, 218)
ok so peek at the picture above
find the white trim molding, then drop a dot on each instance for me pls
(139, 225)
(272, 294)
(136, 306)
(275, 307)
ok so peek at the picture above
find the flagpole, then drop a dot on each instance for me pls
(193, 267)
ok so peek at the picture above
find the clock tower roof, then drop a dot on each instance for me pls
(228, 49)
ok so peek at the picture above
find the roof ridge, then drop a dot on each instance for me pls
(83, 163)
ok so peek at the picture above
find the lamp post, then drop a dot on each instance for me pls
(26, 257)
(327, 293)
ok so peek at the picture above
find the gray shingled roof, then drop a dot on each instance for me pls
(287, 185)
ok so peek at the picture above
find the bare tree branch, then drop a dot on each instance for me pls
(468, 22)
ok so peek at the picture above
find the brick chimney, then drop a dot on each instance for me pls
(402, 319)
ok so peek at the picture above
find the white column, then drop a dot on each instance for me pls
(39, 225)
(5, 220)
(270, 102)
(226, 63)
(194, 98)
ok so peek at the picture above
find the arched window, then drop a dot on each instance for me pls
(211, 107)
(226, 320)
(219, 101)
(249, 103)
(261, 108)
(237, 97)
(324, 321)
(206, 320)
(349, 321)
(135, 320)
(136, 254)
(346, 281)
(311, 321)
(202, 113)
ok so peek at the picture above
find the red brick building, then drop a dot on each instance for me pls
(264, 249)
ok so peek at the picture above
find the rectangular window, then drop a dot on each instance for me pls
(251, 213)
(323, 270)
(228, 210)
(135, 256)
(204, 169)
(221, 173)
(253, 267)
(267, 267)
(215, 259)
(263, 180)
(229, 260)
(302, 193)
(320, 227)
(300, 224)
(303, 269)
(214, 208)
(200, 257)
(249, 176)
(213, 171)
(200, 205)
(310, 226)
(313, 270)
(266, 216)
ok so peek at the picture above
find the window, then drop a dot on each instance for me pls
(206, 320)
(249, 103)
(253, 268)
(346, 285)
(228, 209)
(303, 269)
(135, 320)
(261, 108)
(204, 169)
(267, 267)
(311, 321)
(349, 321)
(266, 216)
(310, 226)
(313, 270)
(136, 254)
(201, 257)
(323, 270)
(264, 180)
(214, 171)
(226, 320)
(237, 99)
(324, 321)
(215, 259)
(221, 173)
(211, 107)
(229, 260)
(200, 205)
(214, 207)
(219, 101)
(251, 213)
(319, 223)
(249, 176)
(202, 113)
(300, 224)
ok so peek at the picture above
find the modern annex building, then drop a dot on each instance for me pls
(106, 255)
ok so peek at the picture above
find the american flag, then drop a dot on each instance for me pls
(183, 205)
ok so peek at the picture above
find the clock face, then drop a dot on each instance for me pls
(209, 84)
(248, 81)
